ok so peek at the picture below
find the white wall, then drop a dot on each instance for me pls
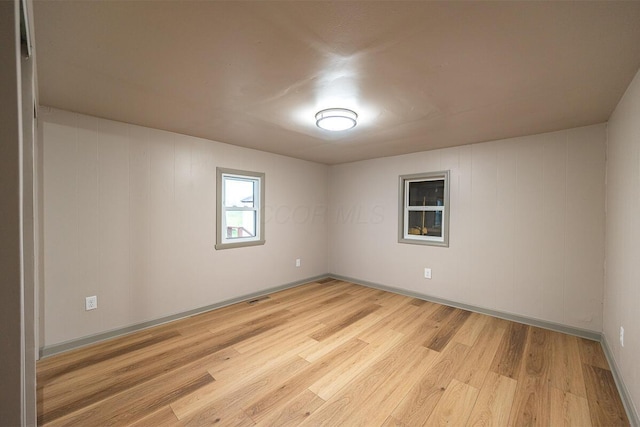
(622, 279)
(129, 216)
(526, 226)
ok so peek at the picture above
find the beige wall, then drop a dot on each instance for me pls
(622, 279)
(526, 226)
(129, 216)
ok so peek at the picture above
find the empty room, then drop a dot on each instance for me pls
(338, 213)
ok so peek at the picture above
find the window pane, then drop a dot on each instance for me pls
(238, 192)
(240, 224)
(426, 193)
(240, 201)
(426, 223)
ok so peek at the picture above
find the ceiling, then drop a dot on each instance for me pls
(421, 75)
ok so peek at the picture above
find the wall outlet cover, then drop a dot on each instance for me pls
(91, 303)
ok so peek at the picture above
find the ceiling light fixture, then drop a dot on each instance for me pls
(336, 119)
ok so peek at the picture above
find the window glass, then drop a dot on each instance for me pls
(238, 192)
(426, 193)
(423, 215)
(240, 215)
(425, 223)
(240, 224)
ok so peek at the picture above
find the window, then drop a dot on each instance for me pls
(240, 208)
(424, 209)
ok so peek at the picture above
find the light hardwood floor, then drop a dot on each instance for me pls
(335, 354)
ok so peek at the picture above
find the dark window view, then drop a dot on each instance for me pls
(426, 194)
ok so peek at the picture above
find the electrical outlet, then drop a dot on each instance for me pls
(91, 303)
(298, 262)
(621, 336)
(427, 273)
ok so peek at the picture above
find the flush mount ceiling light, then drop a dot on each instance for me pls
(336, 119)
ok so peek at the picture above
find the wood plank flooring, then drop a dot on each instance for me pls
(335, 354)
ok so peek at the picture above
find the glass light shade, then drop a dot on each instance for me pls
(336, 119)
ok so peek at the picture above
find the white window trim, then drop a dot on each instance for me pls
(258, 178)
(404, 209)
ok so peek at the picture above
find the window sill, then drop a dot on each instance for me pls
(220, 246)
